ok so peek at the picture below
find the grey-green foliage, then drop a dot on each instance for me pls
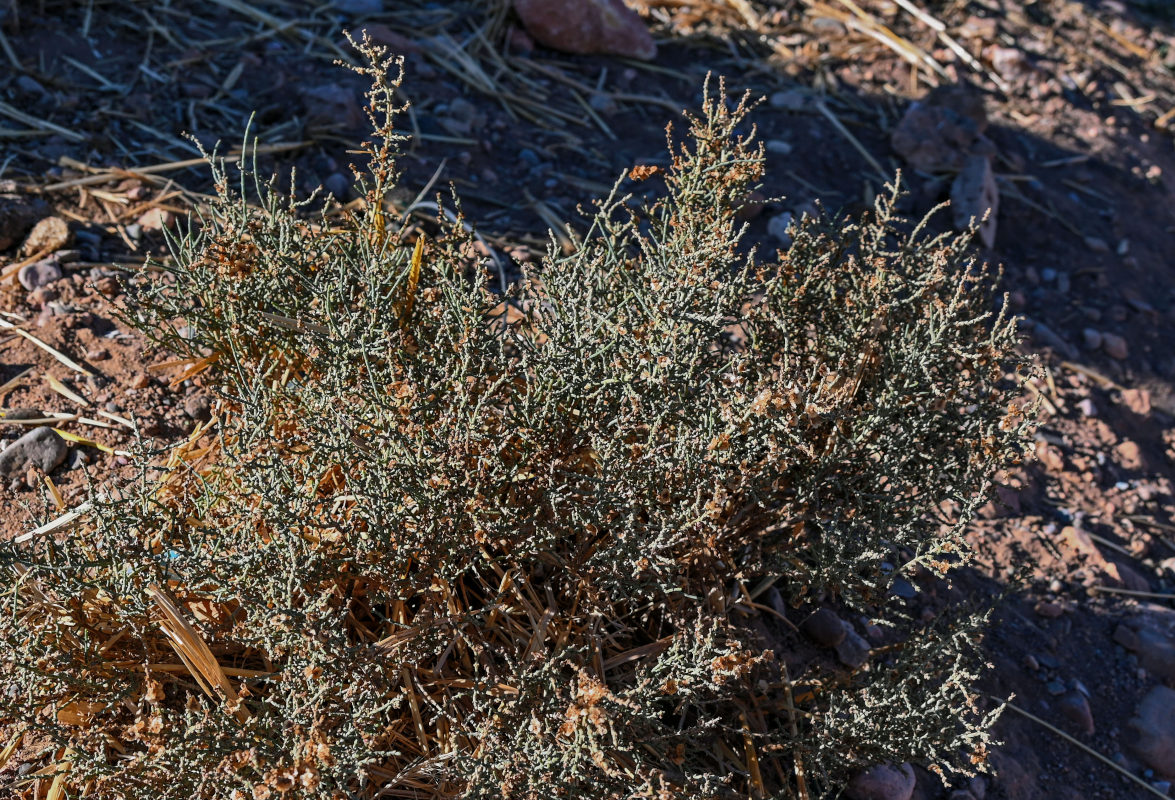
(467, 545)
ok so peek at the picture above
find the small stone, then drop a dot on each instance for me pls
(39, 273)
(883, 782)
(1092, 339)
(1031, 663)
(792, 100)
(1153, 731)
(1009, 62)
(1126, 637)
(461, 117)
(824, 627)
(1075, 708)
(1129, 454)
(1115, 346)
(854, 650)
(141, 381)
(198, 407)
(975, 198)
(338, 185)
(587, 26)
(778, 227)
(97, 354)
(1137, 400)
(1097, 245)
(1156, 652)
(41, 448)
(603, 103)
(779, 147)
(51, 233)
(1087, 408)
(1055, 687)
(154, 220)
(108, 287)
(1049, 610)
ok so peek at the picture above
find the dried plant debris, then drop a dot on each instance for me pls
(440, 542)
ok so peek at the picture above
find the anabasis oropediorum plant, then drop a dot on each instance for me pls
(446, 543)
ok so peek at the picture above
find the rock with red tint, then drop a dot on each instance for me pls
(1153, 731)
(587, 26)
(1075, 708)
(398, 43)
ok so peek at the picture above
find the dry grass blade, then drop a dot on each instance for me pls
(65, 521)
(845, 132)
(57, 354)
(61, 773)
(106, 176)
(11, 748)
(14, 381)
(65, 391)
(1111, 764)
(40, 124)
(1132, 592)
(195, 653)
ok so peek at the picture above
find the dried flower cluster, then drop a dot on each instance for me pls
(445, 543)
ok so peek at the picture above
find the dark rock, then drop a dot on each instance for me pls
(1153, 731)
(587, 26)
(17, 215)
(1126, 637)
(934, 138)
(854, 650)
(22, 413)
(1115, 346)
(825, 628)
(338, 185)
(882, 782)
(1075, 708)
(1156, 652)
(41, 448)
(379, 33)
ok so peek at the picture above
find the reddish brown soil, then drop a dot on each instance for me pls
(1086, 232)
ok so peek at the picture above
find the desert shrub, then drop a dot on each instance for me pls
(442, 542)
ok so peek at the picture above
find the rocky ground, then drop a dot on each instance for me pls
(1056, 115)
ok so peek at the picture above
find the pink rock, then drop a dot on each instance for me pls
(156, 219)
(587, 26)
(1115, 346)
